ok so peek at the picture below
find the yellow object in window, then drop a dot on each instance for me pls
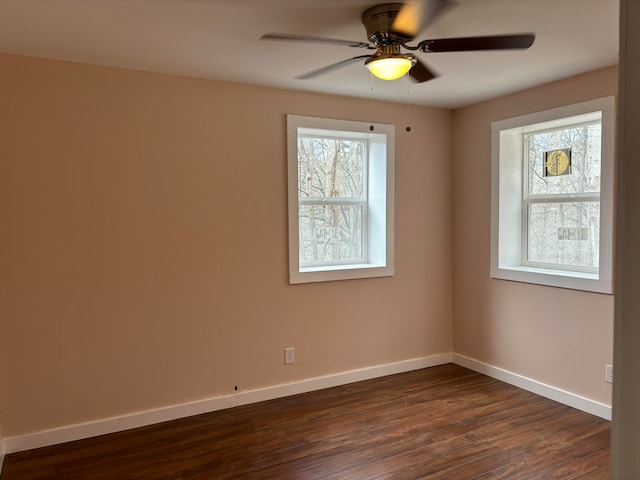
(557, 162)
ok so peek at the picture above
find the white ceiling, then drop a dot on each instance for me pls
(220, 39)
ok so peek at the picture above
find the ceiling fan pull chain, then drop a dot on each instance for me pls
(371, 127)
(408, 106)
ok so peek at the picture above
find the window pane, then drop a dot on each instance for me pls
(330, 233)
(330, 167)
(564, 233)
(582, 175)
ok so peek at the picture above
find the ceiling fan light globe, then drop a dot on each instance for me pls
(390, 68)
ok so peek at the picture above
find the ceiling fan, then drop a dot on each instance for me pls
(390, 27)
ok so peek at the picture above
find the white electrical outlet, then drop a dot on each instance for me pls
(289, 356)
(608, 373)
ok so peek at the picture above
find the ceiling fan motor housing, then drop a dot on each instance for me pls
(378, 22)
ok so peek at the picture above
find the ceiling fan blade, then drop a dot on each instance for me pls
(421, 73)
(333, 66)
(310, 39)
(416, 14)
(466, 44)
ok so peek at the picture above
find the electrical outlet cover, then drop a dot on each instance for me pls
(608, 373)
(289, 356)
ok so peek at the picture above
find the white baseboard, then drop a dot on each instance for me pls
(141, 419)
(571, 399)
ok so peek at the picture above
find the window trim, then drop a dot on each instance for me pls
(377, 228)
(507, 224)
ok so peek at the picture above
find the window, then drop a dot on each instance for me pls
(552, 197)
(340, 176)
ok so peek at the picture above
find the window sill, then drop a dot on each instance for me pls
(340, 272)
(589, 282)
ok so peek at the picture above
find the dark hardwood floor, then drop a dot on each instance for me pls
(443, 422)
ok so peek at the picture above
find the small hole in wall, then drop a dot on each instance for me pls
(236, 388)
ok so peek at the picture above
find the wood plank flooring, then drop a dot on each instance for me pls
(444, 422)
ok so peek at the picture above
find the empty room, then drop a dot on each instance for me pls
(296, 239)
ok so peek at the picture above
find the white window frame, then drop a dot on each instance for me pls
(508, 198)
(378, 224)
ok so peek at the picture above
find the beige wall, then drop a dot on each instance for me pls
(557, 336)
(144, 248)
(144, 244)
